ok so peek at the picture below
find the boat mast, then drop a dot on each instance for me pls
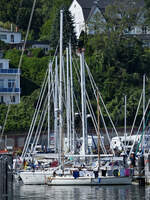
(143, 102)
(48, 136)
(72, 102)
(143, 107)
(56, 107)
(60, 88)
(125, 121)
(83, 103)
(98, 129)
(68, 101)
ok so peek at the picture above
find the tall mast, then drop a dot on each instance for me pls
(83, 102)
(125, 123)
(143, 107)
(68, 102)
(143, 102)
(60, 89)
(56, 107)
(72, 100)
(98, 129)
(48, 137)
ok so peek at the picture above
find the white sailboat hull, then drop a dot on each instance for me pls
(88, 181)
(35, 178)
(112, 180)
(68, 181)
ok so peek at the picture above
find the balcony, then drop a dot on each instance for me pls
(9, 71)
(10, 90)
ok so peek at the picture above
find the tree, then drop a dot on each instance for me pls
(68, 30)
(9, 10)
(49, 10)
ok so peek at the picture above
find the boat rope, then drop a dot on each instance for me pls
(90, 109)
(143, 132)
(139, 129)
(135, 118)
(104, 104)
(100, 110)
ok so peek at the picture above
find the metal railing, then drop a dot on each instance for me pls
(15, 90)
(10, 71)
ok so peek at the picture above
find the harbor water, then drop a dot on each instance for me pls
(44, 192)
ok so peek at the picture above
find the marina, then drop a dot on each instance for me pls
(60, 157)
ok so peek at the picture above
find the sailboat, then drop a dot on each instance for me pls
(73, 175)
(83, 176)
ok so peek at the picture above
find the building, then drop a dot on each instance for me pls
(80, 10)
(9, 83)
(10, 37)
(83, 11)
(14, 39)
(36, 44)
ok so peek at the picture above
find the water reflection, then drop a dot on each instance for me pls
(38, 192)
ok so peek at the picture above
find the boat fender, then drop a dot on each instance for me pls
(49, 179)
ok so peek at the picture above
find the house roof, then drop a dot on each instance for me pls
(87, 5)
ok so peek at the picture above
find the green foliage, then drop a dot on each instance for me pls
(3, 45)
(8, 10)
(20, 116)
(68, 30)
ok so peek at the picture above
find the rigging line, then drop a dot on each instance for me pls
(104, 106)
(37, 110)
(20, 61)
(43, 108)
(135, 118)
(141, 138)
(41, 126)
(139, 128)
(101, 112)
(90, 109)
(38, 103)
(37, 133)
(26, 37)
(35, 116)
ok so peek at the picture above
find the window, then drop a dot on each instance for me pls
(11, 83)
(3, 37)
(1, 65)
(1, 83)
(12, 38)
(144, 29)
(1, 99)
(12, 99)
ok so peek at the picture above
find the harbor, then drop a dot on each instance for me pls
(75, 113)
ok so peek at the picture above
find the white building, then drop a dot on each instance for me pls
(10, 37)
(80, 10)
(14, 38)
(83, 11)
(9, 83)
